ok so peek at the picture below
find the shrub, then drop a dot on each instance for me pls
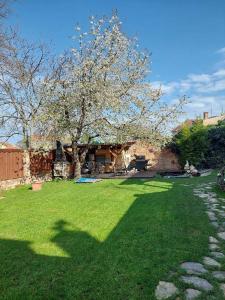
(216, 149)
(191, 144)
(201, 146)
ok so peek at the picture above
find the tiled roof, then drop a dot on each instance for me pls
(188, 122)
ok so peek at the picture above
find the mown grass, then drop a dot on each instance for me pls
(111, 240)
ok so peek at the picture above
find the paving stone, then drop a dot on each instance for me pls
(213, 218)
(212, 194)
(220, 229)
(211, 262)
(165, 290)
(221, 235)
(217, 254)
(220, 275)
(211, 215)
(197, 282)
(222, 286)
(215, 224)
(201, 195)
(213, 240)
(214, 247)
(213, 200)
(191, 294)
(215, 210)
(193, 268)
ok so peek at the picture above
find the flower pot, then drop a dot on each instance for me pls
(37, 186)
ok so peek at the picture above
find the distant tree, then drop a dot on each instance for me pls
(23, 77)
(102, 92)
(22, 80)
(6, 34)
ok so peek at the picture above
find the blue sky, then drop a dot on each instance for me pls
(186, 39)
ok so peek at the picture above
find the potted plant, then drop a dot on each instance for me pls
(36, 186)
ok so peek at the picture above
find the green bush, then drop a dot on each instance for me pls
(216, 149)
(200, 145)
(191, 144)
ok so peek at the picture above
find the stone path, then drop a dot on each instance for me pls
(202, 277)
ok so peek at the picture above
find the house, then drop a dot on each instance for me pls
(5, 145)
(188, 122)
(38, 141)
(206, 121)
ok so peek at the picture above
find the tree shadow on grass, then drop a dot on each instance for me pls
(156, 234)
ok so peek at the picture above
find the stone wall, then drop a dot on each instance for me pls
(10, 184)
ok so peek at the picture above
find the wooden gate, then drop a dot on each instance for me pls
(11, 164)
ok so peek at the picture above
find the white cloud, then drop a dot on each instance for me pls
(206, 91)
(219, 73)
(200, 83)
(201, 103)
(185, 85)
(221, 51)
(213, 86)
(196, 105)
(199, 78)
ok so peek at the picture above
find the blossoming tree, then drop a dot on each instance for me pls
(102, 92)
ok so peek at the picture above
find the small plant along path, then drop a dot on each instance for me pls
(204, 279)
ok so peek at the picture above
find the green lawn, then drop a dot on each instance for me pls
(111, 240)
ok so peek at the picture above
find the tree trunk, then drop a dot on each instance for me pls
(76, 160)
(26, 159)
(77, 169)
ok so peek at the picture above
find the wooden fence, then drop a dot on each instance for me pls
(11, 164)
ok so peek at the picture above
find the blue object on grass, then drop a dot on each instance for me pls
(87, 180)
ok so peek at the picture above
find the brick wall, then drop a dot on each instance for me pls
(164, 160)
